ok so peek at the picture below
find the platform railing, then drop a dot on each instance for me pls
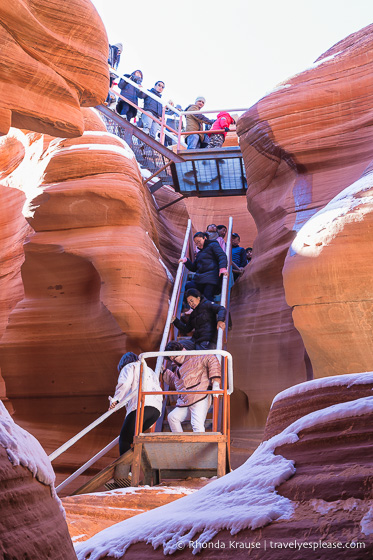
(166, 130)
(225, 391)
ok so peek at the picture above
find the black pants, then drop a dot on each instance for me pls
(151, 415)
(126, 110)
(208, 290)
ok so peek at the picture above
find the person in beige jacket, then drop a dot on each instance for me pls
(194, 373)
(195, 122)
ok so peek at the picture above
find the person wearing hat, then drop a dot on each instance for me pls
(195, 122)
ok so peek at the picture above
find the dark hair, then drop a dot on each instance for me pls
(126, 359)
(160, 82)
(194, 293)
(174, 345)
(221, 227)
(201, 234)
(248, 249)
(235, 235)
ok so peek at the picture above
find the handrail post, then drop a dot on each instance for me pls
(225, 403)
(161, 139)
(179, 132)
(137, 424)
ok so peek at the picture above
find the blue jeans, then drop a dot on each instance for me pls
(150, 127)
(194, 142)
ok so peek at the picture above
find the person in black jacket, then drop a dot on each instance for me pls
(210, 263)
(155, 108)
(131, 93)
(205, 319)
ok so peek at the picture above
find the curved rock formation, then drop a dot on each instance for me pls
(54, 60)
(302, 145)
(95, 283)
(328, 281)
(32, 523)
(305, 492)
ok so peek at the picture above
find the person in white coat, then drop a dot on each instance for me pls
(127, 390)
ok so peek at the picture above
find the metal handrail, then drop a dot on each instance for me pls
(108, 413)
(83, 432)
(174, 297)
(163, 125)
(180, 114)
(86, 465)
(227, 387)
(225, 284)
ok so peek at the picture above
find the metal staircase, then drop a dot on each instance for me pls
(204, 454)
(149, 153)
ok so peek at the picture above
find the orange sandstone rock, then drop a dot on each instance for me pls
(54, 60)
(302, 145)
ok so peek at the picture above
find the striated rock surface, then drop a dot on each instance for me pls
(217, 211)
(54, 60)
(87, 514)
(95, 284)
(306, 492)
(302, 144)
(32, 523)
(328, 281)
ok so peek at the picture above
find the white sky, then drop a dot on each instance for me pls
(230, 51)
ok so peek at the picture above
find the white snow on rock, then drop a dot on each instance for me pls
(366, 523)
(350, 205)
(23, 449)
(245, 498)
(323, 507)
(348, 379)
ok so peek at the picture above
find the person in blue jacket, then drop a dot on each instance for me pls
(131, 93)
(155, 108)
(210, 263)
(239, 258)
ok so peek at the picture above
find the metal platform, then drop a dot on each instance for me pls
(178, 455)
(209, 173)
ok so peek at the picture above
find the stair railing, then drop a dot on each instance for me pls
(103, 417)
(165, 129)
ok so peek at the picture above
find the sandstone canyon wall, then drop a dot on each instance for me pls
(95, 285)
(302, 145)
(54, 60)
(85, 257)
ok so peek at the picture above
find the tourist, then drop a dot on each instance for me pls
(222, 232)
(249, 252)
(194, 123)
(154, 107)
(223, 122)
(209, 264)
(127, 390)
(204, 321)
(131, 93)
(239, 259)
(197, 373)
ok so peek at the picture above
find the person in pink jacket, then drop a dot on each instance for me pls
(223, 122)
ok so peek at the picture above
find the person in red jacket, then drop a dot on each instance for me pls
(223, 122)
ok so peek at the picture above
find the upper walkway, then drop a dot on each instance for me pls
(203, 172)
